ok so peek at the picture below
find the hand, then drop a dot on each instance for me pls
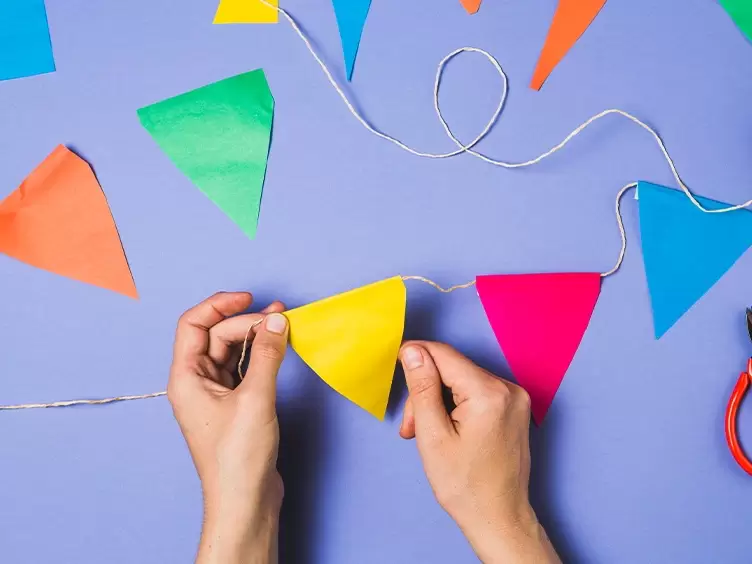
(476, 458)
(232, 432)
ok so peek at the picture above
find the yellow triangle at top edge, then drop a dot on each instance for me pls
(245, 12)
(352, 340)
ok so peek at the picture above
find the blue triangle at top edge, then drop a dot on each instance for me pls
(685, 250)
(351, 17)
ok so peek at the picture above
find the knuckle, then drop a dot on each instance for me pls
(446, 497)
(268, 350)
(184, 318)
(500, 396)
(179, 385)
(174, 393)
(422, 385)
(523, 398)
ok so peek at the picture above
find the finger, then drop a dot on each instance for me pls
(236, 353)
(226, 335)
(465, 378)
(407, 428)
(274, 307)
(267, 352)
(192, 335)
(424, 384)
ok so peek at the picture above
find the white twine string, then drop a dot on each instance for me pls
(468, 148)
(70, 403)
(622, 231)
(440, 288)
(461, 149)
(614, 270)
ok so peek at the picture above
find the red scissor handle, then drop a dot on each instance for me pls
(742, 385)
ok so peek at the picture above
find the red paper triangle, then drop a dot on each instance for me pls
(539, 321)
(59, 220)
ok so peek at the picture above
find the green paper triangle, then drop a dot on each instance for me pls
(741, 12)
(218, 136)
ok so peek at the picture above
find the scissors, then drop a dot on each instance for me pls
(740, 390)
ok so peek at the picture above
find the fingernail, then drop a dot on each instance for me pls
(276, 323)
(412, 358)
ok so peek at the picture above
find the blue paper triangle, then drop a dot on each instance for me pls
(686, 250)
(351, 17)
(25, 48)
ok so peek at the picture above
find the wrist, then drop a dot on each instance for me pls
(238, 532)
(510, 539)
(230, 541)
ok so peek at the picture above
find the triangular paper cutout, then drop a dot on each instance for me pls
(351, 17)
(539, 321)
(741, 12)
(472, 6)
(352, 341)
(25, 47)
(245, 12)
(686, 250)
(218, 136)
(570, 21)
(58, 220)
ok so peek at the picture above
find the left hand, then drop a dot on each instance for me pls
(232, 432)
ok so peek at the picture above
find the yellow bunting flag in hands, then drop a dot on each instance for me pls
(245, 11)
(352, 340)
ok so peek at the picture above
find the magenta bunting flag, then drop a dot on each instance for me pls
(539, 321)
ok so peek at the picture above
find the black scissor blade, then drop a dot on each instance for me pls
(749, 322)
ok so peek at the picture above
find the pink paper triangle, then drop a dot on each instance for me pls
(539, 321)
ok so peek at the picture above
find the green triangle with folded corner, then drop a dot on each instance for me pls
(218, 136)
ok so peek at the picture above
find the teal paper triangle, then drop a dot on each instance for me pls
(351, 17)
(218, 136)
(686, 250)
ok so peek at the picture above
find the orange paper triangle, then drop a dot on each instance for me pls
(59, 220)
(471, 6)
(571, 20)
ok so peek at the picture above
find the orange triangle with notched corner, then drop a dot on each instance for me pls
(58, 220)
(352, 340)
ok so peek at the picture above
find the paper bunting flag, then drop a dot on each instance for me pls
(245, 12)
(472, 6)
(741, 12)
(686, 250)
(218, 136)
(25, 48)
(58, 219)
(539, 321)
(352, 341)
(351, 17)
(570, 21)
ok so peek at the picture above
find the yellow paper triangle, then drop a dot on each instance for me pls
(245, 11)
(352, 340)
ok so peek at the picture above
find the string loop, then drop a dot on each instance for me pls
(469, 148)
(462, 148)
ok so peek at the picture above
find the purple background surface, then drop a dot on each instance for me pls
(631, 464)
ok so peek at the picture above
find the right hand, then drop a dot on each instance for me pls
(476, 458)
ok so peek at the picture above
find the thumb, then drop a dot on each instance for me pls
(267, 352)
(424, 384)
